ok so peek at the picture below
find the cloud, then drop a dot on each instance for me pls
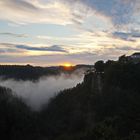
(127, 48)
(62, 12)
(24, 12)
(84, 57)
(21, 4)
(2, 51)
(127, 36)
(9, 49)
(120, 12)
(13, 34)
(12, 52)
(50, 59)
(54, 48)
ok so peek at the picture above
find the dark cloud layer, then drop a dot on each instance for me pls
(11, 47)
(127, 36)
(54, 48)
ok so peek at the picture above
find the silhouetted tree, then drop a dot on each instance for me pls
(99, 66)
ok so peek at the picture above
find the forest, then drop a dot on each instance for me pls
(105, 106)
(34, 73)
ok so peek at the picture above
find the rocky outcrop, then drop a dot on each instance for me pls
(94, 81)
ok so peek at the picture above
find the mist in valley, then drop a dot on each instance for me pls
(36, 94)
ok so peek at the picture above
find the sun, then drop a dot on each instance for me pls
(67, 65)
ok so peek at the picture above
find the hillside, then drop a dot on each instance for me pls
(34, 73)
(105, 106)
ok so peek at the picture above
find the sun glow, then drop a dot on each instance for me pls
(67, 65)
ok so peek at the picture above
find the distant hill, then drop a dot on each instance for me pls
(28, 72)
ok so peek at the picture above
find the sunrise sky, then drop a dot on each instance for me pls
(53, 32)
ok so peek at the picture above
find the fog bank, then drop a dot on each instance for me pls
(38, 93)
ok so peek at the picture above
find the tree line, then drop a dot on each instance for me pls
(80, 113)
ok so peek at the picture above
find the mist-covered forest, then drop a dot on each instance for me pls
(104, 106)
(34, 73)
(36, 85)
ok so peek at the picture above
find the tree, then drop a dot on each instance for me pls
(123, 59)
(99, 66)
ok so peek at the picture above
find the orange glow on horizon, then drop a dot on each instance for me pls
(67, 65)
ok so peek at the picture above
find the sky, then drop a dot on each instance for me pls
(54, 32)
